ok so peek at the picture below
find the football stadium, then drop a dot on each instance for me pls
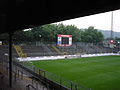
(64, 64)
(38, 51)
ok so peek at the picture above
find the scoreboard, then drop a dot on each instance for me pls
(64, 40)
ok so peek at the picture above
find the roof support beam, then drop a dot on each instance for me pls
(10, 59)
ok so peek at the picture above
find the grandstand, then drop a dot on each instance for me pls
(54, 50)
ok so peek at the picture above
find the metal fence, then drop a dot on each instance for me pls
(55, 78)
(21, 79)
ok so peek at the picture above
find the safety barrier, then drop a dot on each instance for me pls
(55, 81)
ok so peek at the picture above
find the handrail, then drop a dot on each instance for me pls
(28, 87)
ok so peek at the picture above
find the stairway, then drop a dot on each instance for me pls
(19, 51)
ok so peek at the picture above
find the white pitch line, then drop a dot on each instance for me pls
(63, 57)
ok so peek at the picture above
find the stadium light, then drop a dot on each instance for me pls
(40, 35)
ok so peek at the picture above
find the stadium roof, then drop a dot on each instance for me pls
(21, 14)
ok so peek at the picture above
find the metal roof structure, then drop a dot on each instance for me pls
(21, 14)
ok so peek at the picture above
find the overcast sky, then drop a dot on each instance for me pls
(100, 21)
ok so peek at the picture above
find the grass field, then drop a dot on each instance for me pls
(97, 73)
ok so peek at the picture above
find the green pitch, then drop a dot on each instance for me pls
(97, 73)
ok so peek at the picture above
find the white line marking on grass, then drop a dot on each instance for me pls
(63, 57)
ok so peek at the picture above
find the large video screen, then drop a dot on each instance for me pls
(64, 40)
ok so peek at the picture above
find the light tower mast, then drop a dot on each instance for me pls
(112, 35)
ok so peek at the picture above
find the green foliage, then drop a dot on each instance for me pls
(116, 38)
(48, 33)
(92, 35)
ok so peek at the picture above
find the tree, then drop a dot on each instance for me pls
(75, 32)
(49, 32)
(91, 35)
